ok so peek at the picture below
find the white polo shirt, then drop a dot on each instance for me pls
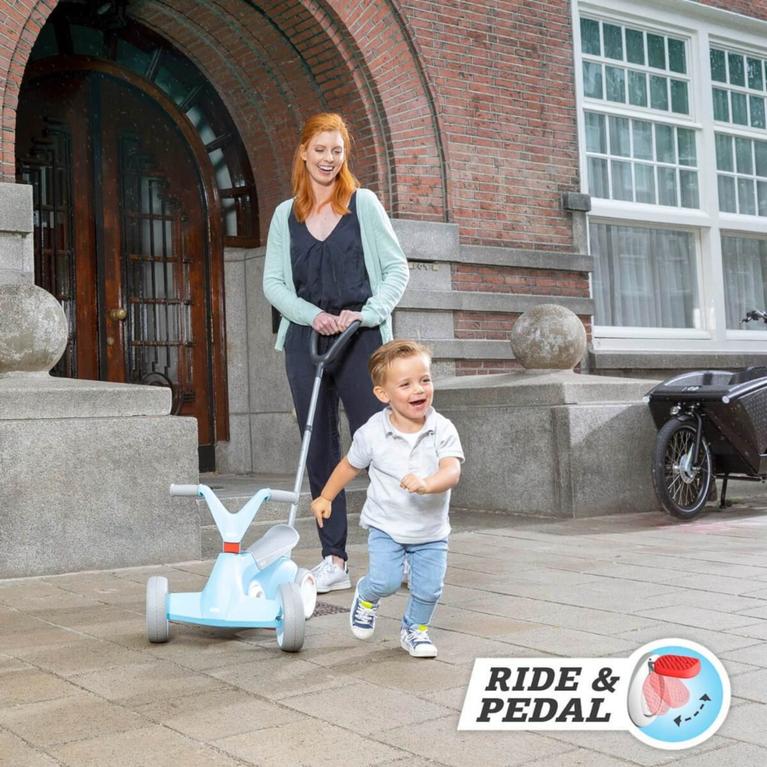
(389, 455)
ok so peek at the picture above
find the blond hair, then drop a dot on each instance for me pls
(345, 182)
(383, 356)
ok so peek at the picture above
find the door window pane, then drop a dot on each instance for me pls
(621, 177)
(688, 189)
(664, 143)
(754, 67)
(667, 186)
(686, 144)
(718, 66)
(739, 108)
(756, 106)
(744, 263)
(724, 152)
(746, 199)
(645, 183)
(721, 106)
(598, 183)
(643, 277)
(735, 68)
(743, 159)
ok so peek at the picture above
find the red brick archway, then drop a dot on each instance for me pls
(274, 62)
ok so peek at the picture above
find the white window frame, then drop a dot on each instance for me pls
(703, 27)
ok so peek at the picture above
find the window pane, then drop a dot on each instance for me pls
(658, 92)
(686, 144)
(634, 46)
(735, 66)
(596, 136)
(645, 183)
(598, 185)
(744, 262)
(621, 178)
(726, 189)
(754, 67)
(679, 102)
(721, 106)
(676, 56)
(667, 186)
(739, 108)
(656, 51)
(613, 41)
(746, 200)
(664, 144)
(638, 89)
(743, 159)
(760, 152)
(718, 67)
(592, 80)
(643, 277)
(688, 188)
(756, 104)
(619, 137)
(642, 139)
(615, 80)
(761, 197)
(590, 36)
(724, 152)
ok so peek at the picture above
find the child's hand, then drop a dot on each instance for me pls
(321, 509)
(414, 484)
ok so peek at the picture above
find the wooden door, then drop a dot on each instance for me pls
(121, 237)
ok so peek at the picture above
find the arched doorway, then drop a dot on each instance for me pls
(139, 179)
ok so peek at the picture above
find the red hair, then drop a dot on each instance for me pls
(345, 182)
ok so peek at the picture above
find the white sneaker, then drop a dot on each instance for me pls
(331, 577)
(415, 639)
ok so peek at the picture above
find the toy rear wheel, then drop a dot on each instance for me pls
(157, 626)
(291, 624)
(681, 480)
(307, 584)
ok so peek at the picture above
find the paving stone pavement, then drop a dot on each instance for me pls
(80, 686)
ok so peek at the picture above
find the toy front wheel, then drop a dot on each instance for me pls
(307, 583)
(681, 479)
(291, 624)
(157, 627)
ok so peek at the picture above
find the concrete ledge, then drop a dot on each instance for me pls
(26, 396)
(427, 240)
(479, 301)
(671, 361)
(467, 349)
(529, 259)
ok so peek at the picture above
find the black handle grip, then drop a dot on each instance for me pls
(335, 348)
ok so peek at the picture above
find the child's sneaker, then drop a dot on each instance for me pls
(415, 639)
(362, 617)
(331, 577)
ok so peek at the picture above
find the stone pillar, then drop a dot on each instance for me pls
(85, 465)
(17, 261)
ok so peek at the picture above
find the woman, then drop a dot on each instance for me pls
(331, 258)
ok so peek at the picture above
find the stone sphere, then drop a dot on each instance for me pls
(548, 337)
(33, 329)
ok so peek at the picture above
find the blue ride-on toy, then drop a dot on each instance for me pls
(259, 587)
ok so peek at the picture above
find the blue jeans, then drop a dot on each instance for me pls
(428, 562)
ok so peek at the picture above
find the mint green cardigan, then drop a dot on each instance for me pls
(385, 263)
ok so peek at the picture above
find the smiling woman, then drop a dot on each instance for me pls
(332, 258)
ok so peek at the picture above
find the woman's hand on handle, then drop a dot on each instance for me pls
(326, 324)
(346, 318)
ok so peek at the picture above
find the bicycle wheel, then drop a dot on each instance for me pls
(681, 480)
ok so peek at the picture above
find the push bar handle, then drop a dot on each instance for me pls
(192, 490)
(283, 496)
(336, 347)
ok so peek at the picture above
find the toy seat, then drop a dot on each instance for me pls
(276, 542)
